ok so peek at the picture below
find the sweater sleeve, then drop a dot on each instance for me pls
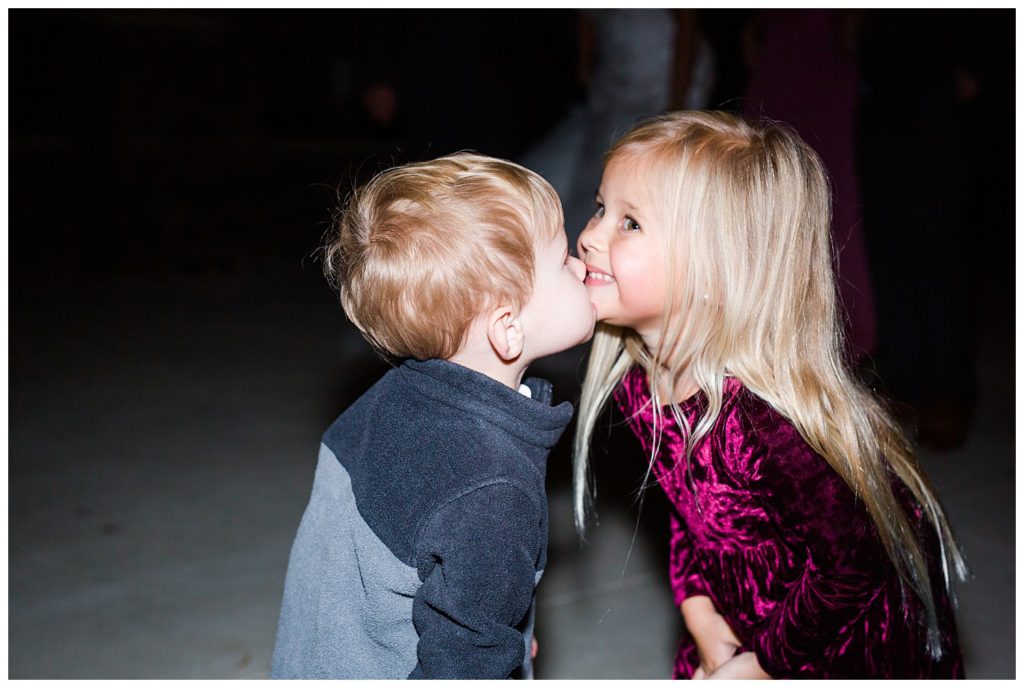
(817, 514)
(477, 560)
(683, 571)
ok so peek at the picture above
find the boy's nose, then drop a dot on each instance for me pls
(578, 268)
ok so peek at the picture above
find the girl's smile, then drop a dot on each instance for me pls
(597, 277)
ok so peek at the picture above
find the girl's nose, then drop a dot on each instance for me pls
(586, 242)
(594, 236)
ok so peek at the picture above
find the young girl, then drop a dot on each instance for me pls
(806, 541)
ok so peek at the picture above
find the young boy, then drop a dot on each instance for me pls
(426, 530)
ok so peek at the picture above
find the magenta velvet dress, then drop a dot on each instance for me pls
(787, 553)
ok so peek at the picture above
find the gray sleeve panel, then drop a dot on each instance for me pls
(347, 608)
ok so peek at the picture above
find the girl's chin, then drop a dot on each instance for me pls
(601, 315)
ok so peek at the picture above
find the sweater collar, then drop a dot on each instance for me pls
(534, 421)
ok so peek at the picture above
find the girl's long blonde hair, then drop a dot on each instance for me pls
(746, 209)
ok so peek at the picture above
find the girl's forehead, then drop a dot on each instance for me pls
(627, 164)
(629, 177)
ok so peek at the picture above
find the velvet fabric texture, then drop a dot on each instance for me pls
(789, 556)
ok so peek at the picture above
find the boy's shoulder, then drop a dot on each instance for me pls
(436, 395)
(409, 448)
(438, 427)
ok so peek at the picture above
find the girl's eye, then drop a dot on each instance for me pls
(629, 224)
(599, 212)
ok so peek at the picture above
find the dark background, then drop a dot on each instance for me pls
(184, 140)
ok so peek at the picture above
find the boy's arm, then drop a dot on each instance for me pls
(476, 556)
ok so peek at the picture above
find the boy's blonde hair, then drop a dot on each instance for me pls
(747, 213)
(423, 249)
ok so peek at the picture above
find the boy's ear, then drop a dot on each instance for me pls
(505, 332)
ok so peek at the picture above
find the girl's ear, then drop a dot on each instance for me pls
(505, 333)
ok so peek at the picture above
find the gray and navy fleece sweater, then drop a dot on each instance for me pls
(426, 531)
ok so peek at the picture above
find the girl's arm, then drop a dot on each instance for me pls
(742, 666)
(684, 574)
(716, 643)
(715, 640)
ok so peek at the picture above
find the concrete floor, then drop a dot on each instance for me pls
(163, 434)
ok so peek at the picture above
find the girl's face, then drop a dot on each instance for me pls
(622, 246)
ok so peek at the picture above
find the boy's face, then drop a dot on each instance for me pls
(559, 314)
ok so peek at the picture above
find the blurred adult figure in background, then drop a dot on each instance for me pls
(633, 64)
(803, 72)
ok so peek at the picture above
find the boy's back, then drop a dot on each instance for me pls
(425, 533)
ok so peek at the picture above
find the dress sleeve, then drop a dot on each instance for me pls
(817, 514)
(477, 560)
(683, 570)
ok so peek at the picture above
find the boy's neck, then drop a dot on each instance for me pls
(508, 373)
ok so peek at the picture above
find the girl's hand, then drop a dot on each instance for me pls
(716, 643)
(741, 666)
